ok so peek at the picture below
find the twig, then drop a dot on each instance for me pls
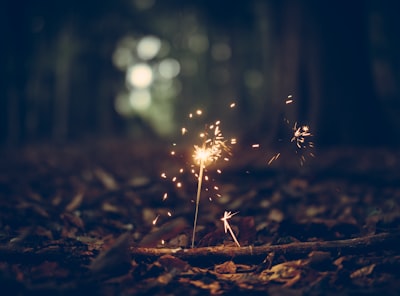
(361, 245)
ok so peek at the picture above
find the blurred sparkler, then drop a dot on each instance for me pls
(227, 227)
(301, 137)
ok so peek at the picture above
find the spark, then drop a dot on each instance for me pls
(289, 99)
(255, 145)
(300, 134)
(199, 112)
(169, 214)
(155, 220)
(172, 152)
(184, 131)
(227, 227)
(273, 158)
(165, 196)
(232, 105)
(163, 175)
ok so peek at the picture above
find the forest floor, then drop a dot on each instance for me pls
(94, 218)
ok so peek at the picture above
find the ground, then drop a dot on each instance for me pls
(94, 218)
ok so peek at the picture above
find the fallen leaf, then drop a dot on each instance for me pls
(226, 267)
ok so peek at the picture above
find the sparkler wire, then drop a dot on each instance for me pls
(199, 183)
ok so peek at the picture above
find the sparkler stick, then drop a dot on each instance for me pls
(199, 183)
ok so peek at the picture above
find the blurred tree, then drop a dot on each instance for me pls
(58, 80)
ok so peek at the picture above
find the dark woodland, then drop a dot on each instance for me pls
(104, 106)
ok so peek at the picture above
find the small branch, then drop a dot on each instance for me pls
(70, 255)
(361, 245)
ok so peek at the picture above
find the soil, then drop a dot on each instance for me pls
(99, 218)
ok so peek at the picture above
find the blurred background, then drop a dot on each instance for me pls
(74, 70)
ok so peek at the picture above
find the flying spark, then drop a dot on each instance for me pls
(273, 158)
(155, 220)
(289, 99)
(300, 134)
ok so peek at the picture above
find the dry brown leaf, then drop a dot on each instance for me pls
(170, 262)
(364, 271)
(75, 202)
(226, 267)
(287, 273)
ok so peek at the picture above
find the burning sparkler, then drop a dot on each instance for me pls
(213, 147)
(210, 151)
(227, 227)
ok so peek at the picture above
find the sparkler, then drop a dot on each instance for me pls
(210, 151)
(212, 148)
(227, 227)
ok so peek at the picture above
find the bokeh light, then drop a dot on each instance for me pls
(140, 75)
(122, 58)
(144, 4)
(198, 43)
(169, 68)
(140, 99)
(148, 47)
(221, 51)
(253, 79)
(123, 106)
